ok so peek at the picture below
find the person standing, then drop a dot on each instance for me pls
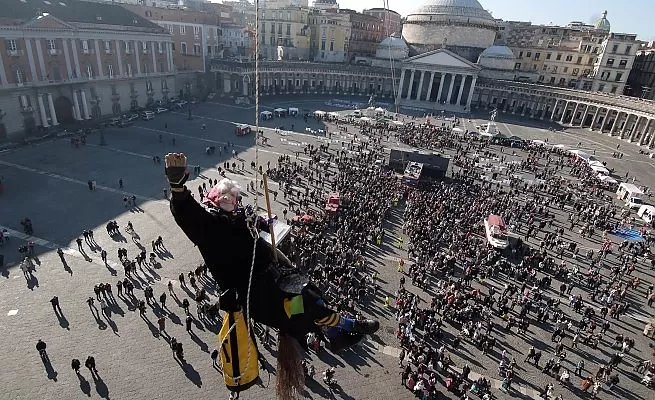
(162, 324)
(162, 300)
(189, 321)
(75, 364)
(55, 304)
(214, 357)
(41, 348)
(90, 363)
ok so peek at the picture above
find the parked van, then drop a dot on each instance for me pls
(148, 115)
(630, 194)
(647, 213)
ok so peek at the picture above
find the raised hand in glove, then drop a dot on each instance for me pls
(176, 170)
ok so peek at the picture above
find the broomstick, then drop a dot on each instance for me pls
(290, 377)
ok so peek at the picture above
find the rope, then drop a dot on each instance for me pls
(256, 199)
(393, 73)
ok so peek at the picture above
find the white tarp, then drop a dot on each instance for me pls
(319, 112)
(596, 164)
(606, 179)
(600, 170)
(379, 109)
(458, 130)
(560, 146)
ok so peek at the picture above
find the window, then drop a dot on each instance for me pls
(544, 68)
(541, 78)
(107, 46)
(263, 29)
(601, 87)
(520, 54)
(623, 63)
(566, 69)
(569, 58)
(528, 54)
(559, 57)
(183, 48)
(613, 90)
(110, 70)
(20, 76)
(170, 29)
(209, 49)
(610, 62)
(537, 56)
(552, 80)
(272, 41)
(172, 46)
(628, 49)
(182, 29)
(332, 45)
(279, 28)
(323, 44)
(288, 15)
(579, 61)
(196, 49)
(615, 48)
(548, 56)
(288, 29)
(12, 45)
(52, 44)
(554, 69)
(196, 31)
(89, 71)
(273, 27)
(517, 66)
(24, 101)
(145, 68)
(85, 46)
(619, 75)
(575, 71)
(562, 81)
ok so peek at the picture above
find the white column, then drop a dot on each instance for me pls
(450, 89)
(584, 115)
(634, 129)
(427, 97)
(227, 87)
(593, 121)
(470, 98)
(76, 60)
(616, 122)
(119, 57)
(101, 68)
(169, 56)
(625, 125)
(67, 58)
(85, 105)
(411, 85)
(53, 114)
(575, 112)
(652, 140)
(76, 106)
(552, 115)
(642, 138)
(3, 76)
(244, 86)
(461, 89)
(442, 77)
(154, 60)
(39, 56)
(420, 86)
(44, 116)
(30, 60)
(400, 85)
(566, 105)
(136, 58)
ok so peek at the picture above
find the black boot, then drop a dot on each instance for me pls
(366, 326)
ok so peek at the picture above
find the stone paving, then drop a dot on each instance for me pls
(48, 183)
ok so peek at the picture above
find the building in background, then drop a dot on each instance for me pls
(390, 19)
(69, 60)
(461, 26)
(237, 41)
(365, 34)
(242, 12)
(285, 34)
(275, 4)
(575, 56)
(641, 82)
(196, 35)
(327, 5)
(330, 36)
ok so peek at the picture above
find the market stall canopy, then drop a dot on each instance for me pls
(606, 179)
(600, 170)
(560, 146)
(293, 110)
(541, 142)
(280, 110)
(458, 130)
(596, 164)
(333, 114)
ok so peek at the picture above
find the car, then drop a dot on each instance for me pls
(182, 103)
(160, 110)
(148, 115)
(130, 117)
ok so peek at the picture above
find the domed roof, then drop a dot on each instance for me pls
(456, 8)
(603, 24)
(394, 41)
(498, 52)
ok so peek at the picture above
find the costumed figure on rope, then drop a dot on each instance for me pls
(280, 295)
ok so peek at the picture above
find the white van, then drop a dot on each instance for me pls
(630, 194)
(647, 213)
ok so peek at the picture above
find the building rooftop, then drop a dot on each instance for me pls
(603, 24)
(75, 11)
(455, 8)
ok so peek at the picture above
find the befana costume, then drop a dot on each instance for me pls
(277, 294)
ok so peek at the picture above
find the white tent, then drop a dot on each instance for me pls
(458, 130)
(280, 110)
(581, 154)
(600, 170)
(606, 179)
(379, 109)
(399, 123)
(333, 114)
(560, 146)
(365, 119)
(539, 142)
(319, 112)
(293, 110)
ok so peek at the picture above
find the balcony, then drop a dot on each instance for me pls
(15, 53)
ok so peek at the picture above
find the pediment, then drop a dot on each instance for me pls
(47, 21)
(444, 58)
